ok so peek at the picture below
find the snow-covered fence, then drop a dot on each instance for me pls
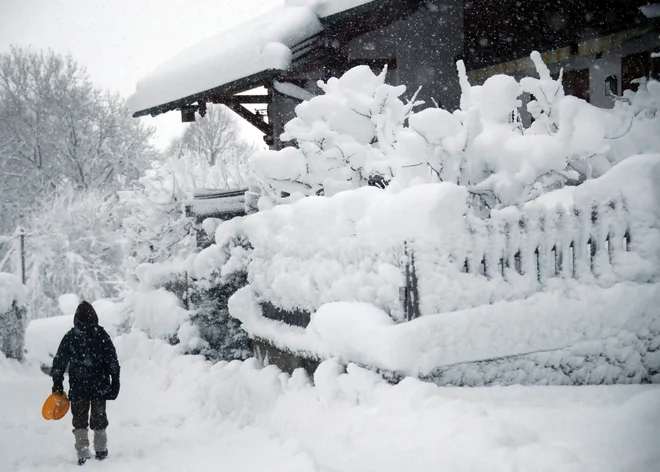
(542, 243)
(514, 252)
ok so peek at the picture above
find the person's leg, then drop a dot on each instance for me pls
(98, 423)
(80, 414)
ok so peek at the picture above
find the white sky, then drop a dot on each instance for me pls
(120, 41)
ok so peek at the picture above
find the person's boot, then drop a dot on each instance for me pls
(101, 444)
(82, 445)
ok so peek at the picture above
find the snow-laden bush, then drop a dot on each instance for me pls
(13, 319)
(223, 335)
(343, 139)
(360, 130)
(185, 301)
(156, 226)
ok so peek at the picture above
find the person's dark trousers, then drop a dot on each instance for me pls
(96, 419)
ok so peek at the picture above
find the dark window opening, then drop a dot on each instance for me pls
(633, 67)
(576, 83)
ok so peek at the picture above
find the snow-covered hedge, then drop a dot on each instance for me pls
(474, 203)
(13, 318)
(593, 320)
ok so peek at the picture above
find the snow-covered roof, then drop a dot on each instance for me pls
(651, 10)
(262, 45)
(332, 7)
(259, 47)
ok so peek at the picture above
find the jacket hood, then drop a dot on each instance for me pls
(85, 314)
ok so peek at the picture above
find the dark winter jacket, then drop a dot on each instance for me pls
(90, 356)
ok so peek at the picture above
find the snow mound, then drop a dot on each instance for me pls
(159, 313)
(11, 290)
(43, 336)
(68, 303)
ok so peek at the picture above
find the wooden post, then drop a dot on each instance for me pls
(411, 299)
(186, 300)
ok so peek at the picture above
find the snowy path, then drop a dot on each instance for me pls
(176, 414)
(149, 431)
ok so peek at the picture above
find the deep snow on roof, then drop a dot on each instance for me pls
(259, 45)
(332, 7)
(651, 10)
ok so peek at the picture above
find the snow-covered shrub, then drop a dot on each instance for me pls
(359, 129)
(485, 146)
(185, 301)
(221, 270)
(13, 319)
(225, 338)
(343, 139)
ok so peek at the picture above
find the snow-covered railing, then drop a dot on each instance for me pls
(223, 204)
(543, 243)
(513, 254)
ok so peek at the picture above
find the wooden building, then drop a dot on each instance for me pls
(602, 45)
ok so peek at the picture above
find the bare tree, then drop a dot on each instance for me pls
(213, 152)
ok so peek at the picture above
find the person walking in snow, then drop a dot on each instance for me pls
(87, 351)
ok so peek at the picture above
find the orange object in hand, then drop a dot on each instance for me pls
(55, 406)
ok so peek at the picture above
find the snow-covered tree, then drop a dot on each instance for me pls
(156, 226)
(58, 131)
(75, 244)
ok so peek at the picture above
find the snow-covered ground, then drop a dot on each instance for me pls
(180, 413)
(152, 429)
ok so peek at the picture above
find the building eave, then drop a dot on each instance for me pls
(244, 84)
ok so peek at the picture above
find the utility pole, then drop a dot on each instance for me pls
(21, 236)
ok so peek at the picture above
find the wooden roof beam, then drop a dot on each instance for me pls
(254, 119)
